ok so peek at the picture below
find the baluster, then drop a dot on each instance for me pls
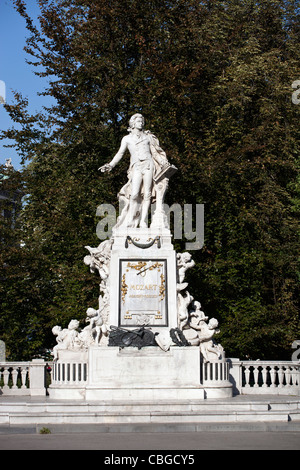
(211, 371)
(23, 376)
(216, 372)
(52, 373)
(14, 378)
(255, 376)
(79, 372)
(280, 376)
(273, 376)
(56, 372)
(268, 376)
(295, 375)
(288, 374)
(5, 379)
(226, 371)
(247, 376)
(73, 372)
(264, 376)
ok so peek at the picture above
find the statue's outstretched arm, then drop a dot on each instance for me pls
(117, 157)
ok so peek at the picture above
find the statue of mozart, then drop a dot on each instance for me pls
(148, 166)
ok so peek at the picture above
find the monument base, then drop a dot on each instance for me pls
(131, 374)
(148, 373)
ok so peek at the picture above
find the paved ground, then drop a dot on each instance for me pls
(225, 440)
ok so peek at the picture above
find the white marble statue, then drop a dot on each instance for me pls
(95, 331)
(148, 176)
(206, 331)
(86, 337)
(184, 262)
(66, 338)
(164, 341)
(98, 259)
(183, 301)
(197, 315)
(148, 165)
(71, 339)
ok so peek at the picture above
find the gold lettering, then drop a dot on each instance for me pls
(143, 287)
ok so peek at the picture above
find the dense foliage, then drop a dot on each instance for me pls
(213, 80)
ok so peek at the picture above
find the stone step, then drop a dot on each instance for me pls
(243, 426)
(117, 417)
(21, 412)
(83, 418)
(150, 407)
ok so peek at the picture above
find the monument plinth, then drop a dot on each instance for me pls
(143, 268)
(147, 338)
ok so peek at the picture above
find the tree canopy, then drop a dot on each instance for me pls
(214, 82)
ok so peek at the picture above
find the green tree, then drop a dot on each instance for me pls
(213, 80)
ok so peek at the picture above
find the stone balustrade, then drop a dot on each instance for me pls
(265, 377)
(214, 371)
(247, 377)
(71, 372)
(214, 377)
(23, 378)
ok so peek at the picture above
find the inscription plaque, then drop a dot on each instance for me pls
(143, 292)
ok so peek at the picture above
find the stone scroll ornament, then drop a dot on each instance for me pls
(143, 245)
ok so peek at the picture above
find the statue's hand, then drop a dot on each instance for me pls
(105, 168)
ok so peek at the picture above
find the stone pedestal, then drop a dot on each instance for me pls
(113, 374)
(146, 374)
(143, 280)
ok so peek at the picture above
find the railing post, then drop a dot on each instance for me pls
(235, 375)
(5, 379)
(37, 377)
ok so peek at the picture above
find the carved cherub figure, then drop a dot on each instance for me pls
(197, 316)
(66, 338)
(182, 303)
(98, 259)
(207, 344)
(97, 324)
(184, 262)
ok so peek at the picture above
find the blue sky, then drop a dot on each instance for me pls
(14, 71)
